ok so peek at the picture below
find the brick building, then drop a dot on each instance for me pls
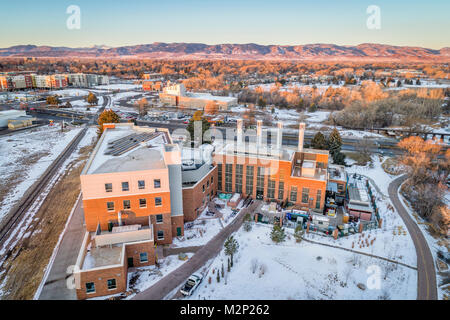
(139, 188)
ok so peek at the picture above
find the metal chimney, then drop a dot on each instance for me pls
(280, 135)
(301, 136)
(259, 132)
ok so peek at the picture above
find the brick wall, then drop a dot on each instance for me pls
(194, 197)
(100, 278)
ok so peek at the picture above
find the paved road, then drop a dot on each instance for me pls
(426, 272)
(177, 277)
(55, 285)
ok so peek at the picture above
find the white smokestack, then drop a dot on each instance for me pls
(301, 136)
(280, 135)
(259, 132)
(119, 216)
(239, 132)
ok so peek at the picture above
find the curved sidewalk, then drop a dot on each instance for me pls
(174, 279)
(426, 272)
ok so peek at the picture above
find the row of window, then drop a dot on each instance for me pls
(207, 184)
(260, 184)
(110, 205)
(126, 185)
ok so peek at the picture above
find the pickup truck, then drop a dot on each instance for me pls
(191, 284)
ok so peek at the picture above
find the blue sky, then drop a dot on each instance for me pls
(118, 23)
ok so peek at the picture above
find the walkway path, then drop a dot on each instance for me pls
(177, 277)
(55, 287)
(426, 272)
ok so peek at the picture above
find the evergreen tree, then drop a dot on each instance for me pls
(319, 141)
(218, 276)
(277, 235)
(298, 233)
(334, 142)
(223, 271)
(231, 246)
(334, 145)
(198, 116)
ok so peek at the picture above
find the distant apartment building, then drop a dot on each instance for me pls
(176, 95)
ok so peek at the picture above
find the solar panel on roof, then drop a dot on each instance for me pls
(125, 144)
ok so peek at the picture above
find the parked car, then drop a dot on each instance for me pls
(191, 284)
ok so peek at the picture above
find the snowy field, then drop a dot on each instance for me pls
(24, 158)
(303, 270)
(81, 106)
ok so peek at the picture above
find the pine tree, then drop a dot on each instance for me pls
(223, 271)
(277, 235)
(231, 246)
(218, 276)
(319, 141)
(334, 142)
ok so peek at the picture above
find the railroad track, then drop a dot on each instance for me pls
(35, 190)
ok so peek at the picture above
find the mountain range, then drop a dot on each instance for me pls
(159, 50)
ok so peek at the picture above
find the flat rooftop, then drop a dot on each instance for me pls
(208, 96)
(128, 148)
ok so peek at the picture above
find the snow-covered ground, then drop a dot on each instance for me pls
(302, 271)
(205, 227)
(25, 156)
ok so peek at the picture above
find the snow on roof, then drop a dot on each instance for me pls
(208, 96)
(146, 156)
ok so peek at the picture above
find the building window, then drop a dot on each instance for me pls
(141, 184)
(280, 190)
(203, 188)
(110, 206)
(126, 204)
(271, 189)
(238, 178)
(112, 284)
(142, 203)
(318, 198)
(157, 183)
(108, 187)
(143, 257)
(219, 176)
(125, 186)
(212, 180)
(207, 183)
(158, 201)
(228, 177)
(159, 218)
(305, 195)
(260, 182)
(90, 287)
(249, 180)
(160, 235)
(293, 194)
